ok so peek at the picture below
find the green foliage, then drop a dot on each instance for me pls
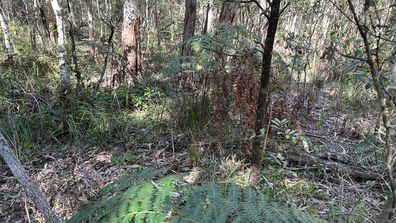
(195, 115)
(144, 197)
(212, 203)
(294, 136)
(135, 197)
(125, 158)
(369, 151)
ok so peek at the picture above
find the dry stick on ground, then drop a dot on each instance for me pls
(27, 184)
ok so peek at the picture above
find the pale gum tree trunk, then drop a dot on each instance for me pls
(7, 42)
(130, 35)
(64, 78)
(6, 34)
(190, 16)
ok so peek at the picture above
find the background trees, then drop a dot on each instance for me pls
(303, 90)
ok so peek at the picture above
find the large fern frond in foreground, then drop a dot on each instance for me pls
(211, 203)
(135, 197)
(150, 198)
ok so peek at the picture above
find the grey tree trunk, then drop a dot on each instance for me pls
(64, 78)
(31, 189)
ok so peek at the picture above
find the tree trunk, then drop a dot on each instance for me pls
(264, 80)
(31, 189)
(228, 12)
(157, 26)
(106, 61)
(7, 42)
(52, 23)
(91, 29)
(190, 16)
(130, 38)
(72, 25)
(208, 19)
(64, 78)
(42, 20)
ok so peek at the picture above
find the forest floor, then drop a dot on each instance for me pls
(69, 176)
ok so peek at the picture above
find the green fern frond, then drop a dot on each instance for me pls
(148, 199)
(212, 204)
(140, 202)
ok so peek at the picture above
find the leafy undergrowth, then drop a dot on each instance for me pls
(139, 197)
(120, 132)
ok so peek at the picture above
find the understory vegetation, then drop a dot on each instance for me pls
(267, 111)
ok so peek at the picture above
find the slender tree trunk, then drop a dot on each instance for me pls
(7, 42)
(6, 34)
(190, 17)
(104, 67)
(72, 25)
(130, 38)
(64, 78)
(30, 188)
(91, 27)
(157, 25)
(265, 77)
(208, 19)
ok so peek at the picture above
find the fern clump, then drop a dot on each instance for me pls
(213, 204)
(146, 197)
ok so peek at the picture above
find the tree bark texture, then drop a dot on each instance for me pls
(130, 38)
(31, 189)
(190, 17)
(228, 13)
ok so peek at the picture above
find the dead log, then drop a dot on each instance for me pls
(27, 184)
(356, 172)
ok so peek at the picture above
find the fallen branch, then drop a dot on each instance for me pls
(27, 184)
(356, 172)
